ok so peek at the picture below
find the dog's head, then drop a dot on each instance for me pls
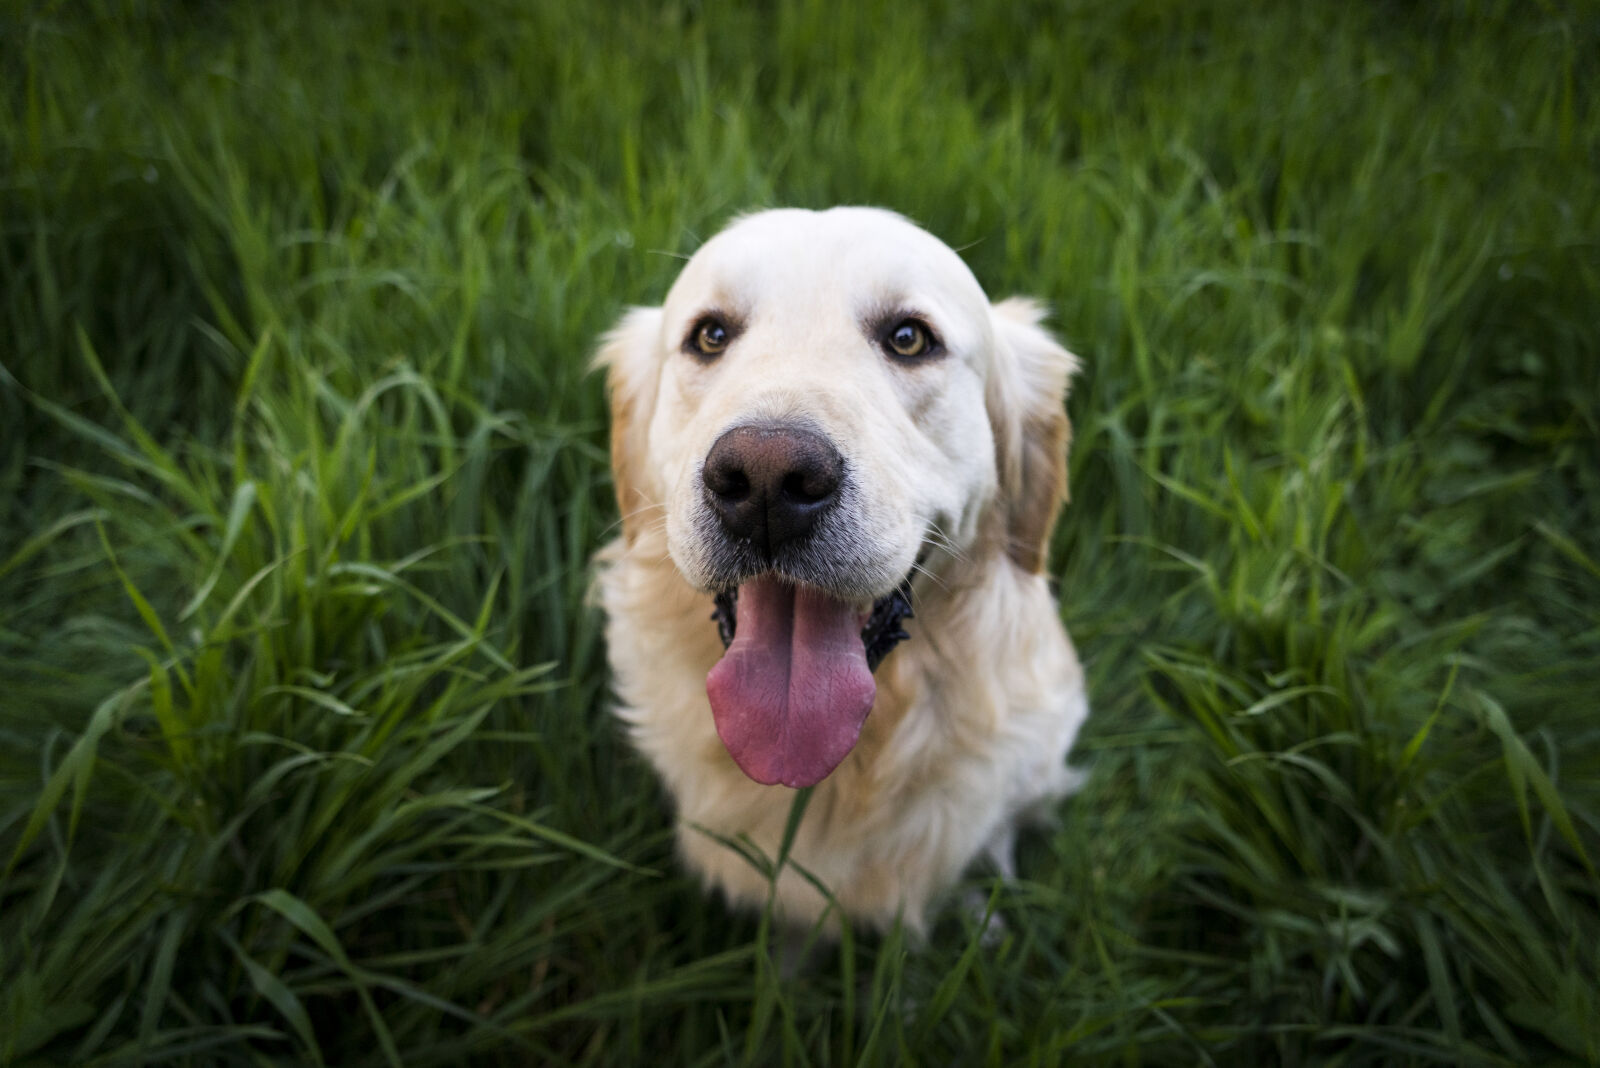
(826, 403)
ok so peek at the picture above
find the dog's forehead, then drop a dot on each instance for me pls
(845, 258)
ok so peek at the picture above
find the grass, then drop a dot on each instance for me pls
(304, 752)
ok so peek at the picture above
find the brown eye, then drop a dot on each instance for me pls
(710, 337)
(909, 338)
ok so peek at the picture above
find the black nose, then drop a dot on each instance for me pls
(769, 484)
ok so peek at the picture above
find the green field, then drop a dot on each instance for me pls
(304, 746)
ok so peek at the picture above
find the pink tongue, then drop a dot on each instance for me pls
(790, 694)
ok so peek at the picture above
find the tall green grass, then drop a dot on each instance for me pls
(304, 752)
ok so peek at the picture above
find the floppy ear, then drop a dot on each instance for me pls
(633, 369)
(1027, 386)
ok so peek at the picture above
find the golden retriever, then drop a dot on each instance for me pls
(838, 467)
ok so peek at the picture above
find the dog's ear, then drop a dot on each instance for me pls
(633, 369)
(1026, 391)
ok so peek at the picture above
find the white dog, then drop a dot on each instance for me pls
(826, 433)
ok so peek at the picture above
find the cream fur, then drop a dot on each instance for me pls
(960, 459)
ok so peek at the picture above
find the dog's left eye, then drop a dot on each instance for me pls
(909, 338)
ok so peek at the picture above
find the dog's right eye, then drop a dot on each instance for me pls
(709, 337)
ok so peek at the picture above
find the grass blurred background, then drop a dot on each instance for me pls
(304, 751)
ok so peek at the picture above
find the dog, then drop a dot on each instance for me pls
(838, 467)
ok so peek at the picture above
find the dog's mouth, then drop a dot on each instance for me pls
(879, 634)
(794, 687)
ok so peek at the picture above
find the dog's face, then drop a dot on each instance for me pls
(825, 403)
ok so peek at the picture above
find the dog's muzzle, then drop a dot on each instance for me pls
(792, 689)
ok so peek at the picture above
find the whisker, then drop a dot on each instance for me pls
(616, 524)
(918, 569)
(938, 537)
